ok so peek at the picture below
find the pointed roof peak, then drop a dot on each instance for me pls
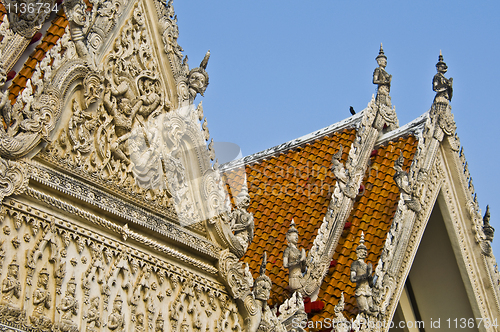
(361, 242)
(381, 53)
(292, 228)
(440, 59)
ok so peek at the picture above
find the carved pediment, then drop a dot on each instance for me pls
(121, 131)
(101, 109)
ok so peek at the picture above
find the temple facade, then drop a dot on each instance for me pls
(116, 216)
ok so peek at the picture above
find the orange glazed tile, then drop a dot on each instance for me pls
(306, 174)
(296, 173)
(55, 31)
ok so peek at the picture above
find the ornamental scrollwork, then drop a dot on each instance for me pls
(27, 22)
(13, 177)
(117, 131)
(251, 296)
(90, 28)
(37, 108)
(189, 82)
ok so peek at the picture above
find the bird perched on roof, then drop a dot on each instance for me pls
(351, 109)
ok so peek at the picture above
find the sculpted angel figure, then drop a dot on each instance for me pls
(93, 318)
(440, 84)
(159, 323)
(11, 287)
(80, 126)
(151, 99)
(403, 182)
(123, 112)
(242, 223)
(294, 259)
(343, 176)
(116, 320)
(41, 301)
(69, 307)
(139, 324)
(361, 274)
(382, 79)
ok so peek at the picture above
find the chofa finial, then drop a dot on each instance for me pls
(382, 79)
(442, 85)
(489, 231)
(263, 264)
(204, 62)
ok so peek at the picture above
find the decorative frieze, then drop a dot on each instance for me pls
(71, 278)
(119, 207)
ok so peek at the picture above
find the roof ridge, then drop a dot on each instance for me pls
(411, 127)
(335, 127)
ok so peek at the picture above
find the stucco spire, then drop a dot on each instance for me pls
(361, 242)
(381, 53)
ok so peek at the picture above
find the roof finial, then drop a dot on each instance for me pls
(263, 264)
(442, 85)
(383, 80)
(489, 231)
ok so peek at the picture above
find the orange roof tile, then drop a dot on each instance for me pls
(298, 184)
(372, 214)
(284, 185)
(54, 32)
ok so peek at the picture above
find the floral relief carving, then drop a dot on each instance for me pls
(13, 178)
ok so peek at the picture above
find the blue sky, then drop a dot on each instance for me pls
(282, 69)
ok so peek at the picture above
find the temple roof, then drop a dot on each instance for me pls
(295, 180)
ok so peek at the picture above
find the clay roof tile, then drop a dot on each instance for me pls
(301, 171)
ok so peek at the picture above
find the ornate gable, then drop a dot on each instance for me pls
(113, 213)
